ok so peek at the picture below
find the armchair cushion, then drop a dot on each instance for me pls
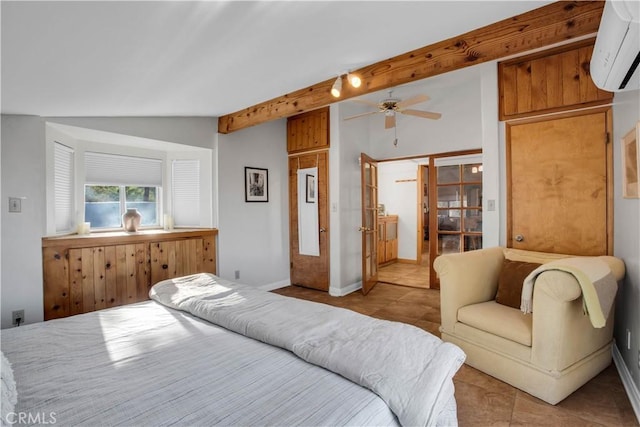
(500, 320)
(510, 281)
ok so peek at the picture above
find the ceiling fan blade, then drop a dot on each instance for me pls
(361, 115)
(425, 114)
(389, 121)
(365, 102)
(411, 101)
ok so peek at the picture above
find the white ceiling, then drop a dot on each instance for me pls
(182, 58)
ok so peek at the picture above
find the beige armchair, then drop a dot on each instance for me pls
(549, 353)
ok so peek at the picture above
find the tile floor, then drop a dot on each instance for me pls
(407, 274)
(483, 400)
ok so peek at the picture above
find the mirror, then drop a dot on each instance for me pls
(308, 224)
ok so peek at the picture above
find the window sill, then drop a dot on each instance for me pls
(125, 237)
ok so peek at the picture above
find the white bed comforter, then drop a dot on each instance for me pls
(146, 365)
(410, 369)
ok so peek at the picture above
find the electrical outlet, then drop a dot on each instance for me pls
(237, 274)
(15, 204)
(17, 317)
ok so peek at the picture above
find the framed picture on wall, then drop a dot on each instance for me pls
(256, 184)
(631, 164)
(311, 189)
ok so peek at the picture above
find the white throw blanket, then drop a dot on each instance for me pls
(597, 282)
(8, 388)
(410, 369)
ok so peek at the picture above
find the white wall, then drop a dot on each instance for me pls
(348, 140)
(468, 101)
(457, 96)
(626, 113)
(398, 191)
(254, 237)
(23, 175)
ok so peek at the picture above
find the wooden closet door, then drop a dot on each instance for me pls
(559, 184)
(309, 270)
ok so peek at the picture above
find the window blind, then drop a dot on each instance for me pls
(63, 186)
(185, 178)
(112, 169)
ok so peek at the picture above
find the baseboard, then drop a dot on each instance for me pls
(340, 292)
(275, 285)
(407, 261)
(627, 380)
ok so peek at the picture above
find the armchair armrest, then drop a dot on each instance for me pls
(467, 278)
(562, 333)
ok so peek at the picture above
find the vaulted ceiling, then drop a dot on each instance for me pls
(210, 58)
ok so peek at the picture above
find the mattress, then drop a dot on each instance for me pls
(147, 364)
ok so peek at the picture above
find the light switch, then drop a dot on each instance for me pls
(491, 205)
(15, 204)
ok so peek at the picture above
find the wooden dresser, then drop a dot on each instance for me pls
(101, 270)
(387, 239)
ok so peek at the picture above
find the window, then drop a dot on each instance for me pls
(94, 176)
(105, 204)
(63, 186)
(115, 183)
(186, 192)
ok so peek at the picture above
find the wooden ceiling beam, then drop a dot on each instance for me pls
(554, 23)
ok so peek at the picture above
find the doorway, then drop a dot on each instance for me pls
(403, 222)
(451, 204)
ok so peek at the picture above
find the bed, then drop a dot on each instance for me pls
(206, 351)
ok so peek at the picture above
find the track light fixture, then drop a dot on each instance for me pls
(336, 89)
(354, 80)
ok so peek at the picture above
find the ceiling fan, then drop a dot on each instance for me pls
(390, 106)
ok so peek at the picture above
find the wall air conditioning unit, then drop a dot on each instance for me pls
(614, 63)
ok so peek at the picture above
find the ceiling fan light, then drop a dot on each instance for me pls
(354, 80)
(336, 89)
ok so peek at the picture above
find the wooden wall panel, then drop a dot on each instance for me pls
(142, 275)
(110, 277)
(83, 274)
(308, 131)
(547, 82)
(570, 78)
(75, 271)
(88, 292)
(131, 272)
(209, 255)
(121, 274)
(99, 282)
(56, 279)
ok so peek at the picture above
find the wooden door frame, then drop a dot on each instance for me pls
(419, 225)
(609, 167)
(421, 183)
